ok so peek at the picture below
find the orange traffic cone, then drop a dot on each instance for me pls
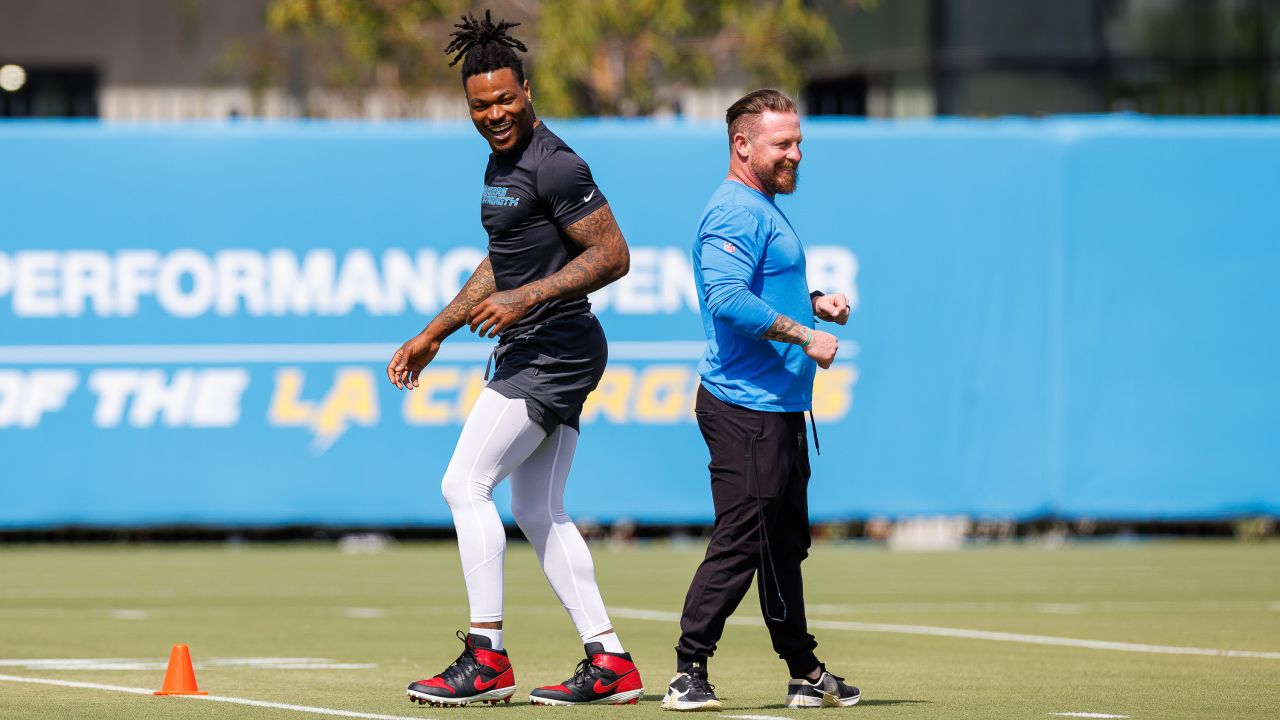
(180, 678)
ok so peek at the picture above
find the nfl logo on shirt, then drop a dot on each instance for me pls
(730, 247)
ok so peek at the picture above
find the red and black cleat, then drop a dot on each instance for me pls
(480, 674)
(601, 679)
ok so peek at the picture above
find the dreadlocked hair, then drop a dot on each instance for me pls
(486, 46)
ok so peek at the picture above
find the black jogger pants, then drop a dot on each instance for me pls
(759, 486)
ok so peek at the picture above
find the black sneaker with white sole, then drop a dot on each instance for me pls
(827, 691)
(691, 692)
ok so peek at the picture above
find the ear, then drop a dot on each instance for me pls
(527, 92)
(741, 145)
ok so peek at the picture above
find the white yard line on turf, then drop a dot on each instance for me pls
(639, 614)
(213, 698)
(129, 614)
(1052, 607)
(98, 664)
(1088, 715)
(756, 717)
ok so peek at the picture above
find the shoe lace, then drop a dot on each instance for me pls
(465, 663)
(699, 682)
(584, 674)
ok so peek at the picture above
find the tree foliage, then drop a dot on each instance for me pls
(350, 44)
(593, 57)
(618, 57)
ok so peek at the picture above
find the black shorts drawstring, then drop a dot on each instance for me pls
(488, 364)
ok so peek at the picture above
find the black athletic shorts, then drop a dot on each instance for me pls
(553, 366)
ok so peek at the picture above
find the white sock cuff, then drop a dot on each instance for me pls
(494, 635)
(610, 642)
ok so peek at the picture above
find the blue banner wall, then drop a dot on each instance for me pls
(1073, 316)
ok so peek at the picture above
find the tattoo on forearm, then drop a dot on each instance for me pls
(604, 259)
(478, 287)
(786, 330)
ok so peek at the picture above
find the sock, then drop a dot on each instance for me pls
(494, 635)
(610, 642)
(687, 664)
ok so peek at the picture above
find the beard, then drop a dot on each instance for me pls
(779, 178)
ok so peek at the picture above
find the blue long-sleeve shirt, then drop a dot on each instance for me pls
(749, 266)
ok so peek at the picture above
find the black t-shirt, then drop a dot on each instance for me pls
(530, 197)
(556, 355)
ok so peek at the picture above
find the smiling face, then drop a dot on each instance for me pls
(501, 108)
(772, 149)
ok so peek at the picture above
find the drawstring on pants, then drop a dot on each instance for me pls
(765, 549)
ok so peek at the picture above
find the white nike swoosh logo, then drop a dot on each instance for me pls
(588, 197)
(676, 697)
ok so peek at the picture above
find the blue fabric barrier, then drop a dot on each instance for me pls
(1073, 316)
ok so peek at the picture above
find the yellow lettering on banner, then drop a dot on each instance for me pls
(833, 392)
(663, 396)
(643, 395)
(421, 407)
(351, 399)
(612, 396)
(286, 409)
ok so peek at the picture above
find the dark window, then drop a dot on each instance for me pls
(993, 57)
(51, 92)
(839, 96)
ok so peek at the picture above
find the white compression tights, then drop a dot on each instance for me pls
(497, 440)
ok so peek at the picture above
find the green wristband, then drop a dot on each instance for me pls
(807, 340)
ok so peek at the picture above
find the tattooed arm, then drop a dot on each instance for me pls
(414, 355)
(454, 315)
(729, 252)
(819, 345)
(604, 258)
(786, 330)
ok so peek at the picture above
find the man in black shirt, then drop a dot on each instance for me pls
(552, 240)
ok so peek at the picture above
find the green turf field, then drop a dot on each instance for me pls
(388, 618)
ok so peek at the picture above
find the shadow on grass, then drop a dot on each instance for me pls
(654, 697)
(864, 701)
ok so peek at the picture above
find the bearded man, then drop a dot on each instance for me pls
(757, 382)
